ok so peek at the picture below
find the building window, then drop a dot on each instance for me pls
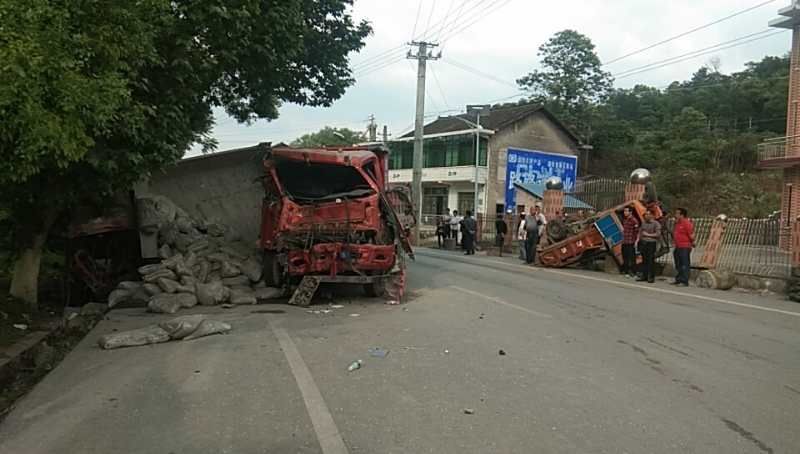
(447, 151)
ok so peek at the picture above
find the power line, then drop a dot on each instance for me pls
(444, 20)
(741, 38)
(477, 72)
(416, 21)
(488, 10)
(700, 54)
(439, 86)
(696, 29)
(391, 56)
(430, 16)
(716, 84)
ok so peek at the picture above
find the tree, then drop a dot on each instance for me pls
(95, 95)
(329, 137)
(572, 81)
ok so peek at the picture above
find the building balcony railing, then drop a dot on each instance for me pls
(778, 153)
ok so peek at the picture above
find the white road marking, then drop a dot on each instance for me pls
(330, 441)
(630, 285)
(499, 301)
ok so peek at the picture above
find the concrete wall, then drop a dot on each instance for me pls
(536, 132)
(225, 186)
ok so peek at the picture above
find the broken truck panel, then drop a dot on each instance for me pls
(326, 212)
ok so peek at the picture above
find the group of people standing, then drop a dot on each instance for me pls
(644, 236)
(530, 230)
(451, 226)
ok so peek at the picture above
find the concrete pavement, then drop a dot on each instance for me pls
(592, 364)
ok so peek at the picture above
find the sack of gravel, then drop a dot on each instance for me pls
(180, 327)
(208, 327)
(164, 303)
(148, 335)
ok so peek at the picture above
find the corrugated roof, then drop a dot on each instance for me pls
(537, 190)
(498, 118)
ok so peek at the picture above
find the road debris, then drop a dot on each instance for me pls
(20, 326)
(469, 411)
(336, 306)
(187, 327)
(355, 315)
(502, 353)
(378, 352)
(447, 352)
(355, 365)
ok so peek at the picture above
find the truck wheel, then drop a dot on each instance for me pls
(273, 271)
(375, 288)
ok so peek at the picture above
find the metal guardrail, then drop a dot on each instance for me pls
(772, 150)
(749, 246)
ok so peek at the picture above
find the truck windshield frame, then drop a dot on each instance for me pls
(313, 181)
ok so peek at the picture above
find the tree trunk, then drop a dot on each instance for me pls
(25, 282)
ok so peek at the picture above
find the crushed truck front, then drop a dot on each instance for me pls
(325, 213)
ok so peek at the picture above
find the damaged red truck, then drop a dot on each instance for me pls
(329, 216)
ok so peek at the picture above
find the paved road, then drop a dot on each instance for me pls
(593, 364)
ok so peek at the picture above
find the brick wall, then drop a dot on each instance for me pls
(793, 115)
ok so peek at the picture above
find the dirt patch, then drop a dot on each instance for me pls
(15, 314)
(34, 365)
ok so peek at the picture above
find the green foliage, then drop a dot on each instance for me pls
(329, 137)
(95, 95)
(572, 81)
(699, 137)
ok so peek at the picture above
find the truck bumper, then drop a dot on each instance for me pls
(335, 258)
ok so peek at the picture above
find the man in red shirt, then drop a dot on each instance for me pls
(630, 234)
(683, 238)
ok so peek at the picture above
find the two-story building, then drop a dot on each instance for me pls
(536, 142)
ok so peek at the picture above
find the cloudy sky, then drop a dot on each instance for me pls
(497, 40)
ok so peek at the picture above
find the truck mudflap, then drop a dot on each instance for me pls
(394, 285)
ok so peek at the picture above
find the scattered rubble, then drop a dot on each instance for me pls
(202, 262)
(469, 411)
(355, 365)
(186, 327)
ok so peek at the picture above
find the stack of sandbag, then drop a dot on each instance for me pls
(201, 263)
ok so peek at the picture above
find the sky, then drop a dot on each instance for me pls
(497, 40)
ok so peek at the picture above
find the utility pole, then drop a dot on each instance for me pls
(422, 56)
(478, 109)
(385, 134)
(372, 128)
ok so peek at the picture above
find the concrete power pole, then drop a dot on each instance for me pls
(422, 57)
(372, 129)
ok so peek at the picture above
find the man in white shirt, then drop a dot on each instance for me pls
(455, 224)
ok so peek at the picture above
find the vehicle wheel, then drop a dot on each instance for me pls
(376, 288)
(273, 271)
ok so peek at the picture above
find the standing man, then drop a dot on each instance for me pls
(446, 223)
(649, 234)
(440, 231)
(541, 220)
(533, 228)
(630, 235)
(683, 238)
(501, 229)
(521, 237)
(455, 225)
(469, 234)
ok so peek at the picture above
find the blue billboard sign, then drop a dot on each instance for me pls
(531, 166)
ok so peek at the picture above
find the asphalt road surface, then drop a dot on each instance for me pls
(593, 364)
